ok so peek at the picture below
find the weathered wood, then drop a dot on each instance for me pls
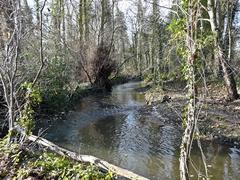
(86, 159)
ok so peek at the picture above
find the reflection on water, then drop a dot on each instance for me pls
(112, 128)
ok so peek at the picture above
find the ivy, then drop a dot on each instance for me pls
(177, 27)
(32, 93)
(32, 98)
(205, 40)
(19, 163)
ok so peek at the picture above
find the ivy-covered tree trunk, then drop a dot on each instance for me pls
(191, 113)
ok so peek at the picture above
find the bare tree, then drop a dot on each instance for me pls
(12, 65)
(10, 57)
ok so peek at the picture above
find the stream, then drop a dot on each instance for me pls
(113, 127)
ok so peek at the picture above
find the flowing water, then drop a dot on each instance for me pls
(112, 127)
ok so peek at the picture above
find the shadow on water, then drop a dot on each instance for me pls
(113, 128)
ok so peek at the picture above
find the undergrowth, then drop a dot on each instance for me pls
(21, 162)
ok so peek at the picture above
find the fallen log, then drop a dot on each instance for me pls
(104, 165)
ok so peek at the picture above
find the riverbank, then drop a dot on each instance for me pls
(218, 119)
(219, 122)
(31, 162)
(52, 111)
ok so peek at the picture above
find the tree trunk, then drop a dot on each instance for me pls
(191, 116)
(220, 56)
(139, 36)
(228, 76)
(139, 53)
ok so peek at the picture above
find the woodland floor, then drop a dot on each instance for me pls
(218, 120)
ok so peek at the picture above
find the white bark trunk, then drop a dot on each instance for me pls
(191, 119)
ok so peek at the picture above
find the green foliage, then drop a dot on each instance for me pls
(55, 84)
(182, 51)
(176, 27)
(184, 4)
(11, 153)
(20, 164)
(33, 93)
(56, 99)
(26, 120)
(177, 30)
(205, 40)
(32, 98)
(185, 68)
(50, 162)
(60, 167)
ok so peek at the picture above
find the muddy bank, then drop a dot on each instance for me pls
(218, 119)
(220, 122)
